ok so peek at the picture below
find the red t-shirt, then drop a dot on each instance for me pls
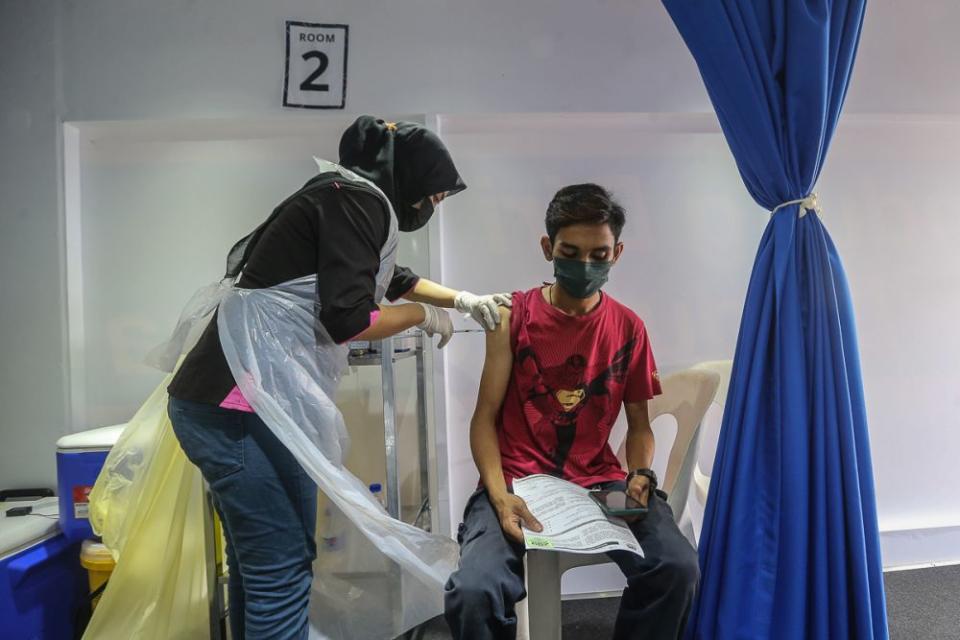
(570, 377)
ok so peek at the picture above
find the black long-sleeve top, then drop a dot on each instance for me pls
(334, 232)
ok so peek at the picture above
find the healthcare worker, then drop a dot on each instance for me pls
(334, 227)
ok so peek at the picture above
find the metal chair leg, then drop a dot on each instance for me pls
(543, 595)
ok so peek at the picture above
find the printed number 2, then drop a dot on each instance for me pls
(323, 63)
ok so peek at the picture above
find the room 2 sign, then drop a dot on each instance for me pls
(315, 71)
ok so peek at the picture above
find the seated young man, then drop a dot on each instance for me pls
(556, 373)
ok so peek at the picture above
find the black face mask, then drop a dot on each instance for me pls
(581, 279)
(415, 217)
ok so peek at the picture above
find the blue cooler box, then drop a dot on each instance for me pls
(80, 457)
(43, 588)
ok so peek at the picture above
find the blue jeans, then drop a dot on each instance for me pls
(481, 595)
(268, 507)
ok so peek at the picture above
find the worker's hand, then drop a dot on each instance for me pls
(436, 321)
(513, 511)
(639, 489)
(483, 309)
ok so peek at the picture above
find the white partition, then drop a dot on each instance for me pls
(889, 191)
(152, 209)
(691, 235)
(153, 206)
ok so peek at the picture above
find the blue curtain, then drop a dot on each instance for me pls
(790, 547)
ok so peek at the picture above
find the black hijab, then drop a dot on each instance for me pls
(407, 161)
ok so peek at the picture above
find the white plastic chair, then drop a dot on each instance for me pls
(709, 437)
(686, 396)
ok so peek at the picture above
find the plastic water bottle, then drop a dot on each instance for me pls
(377, 490)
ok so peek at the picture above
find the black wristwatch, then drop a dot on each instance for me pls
(647, 473)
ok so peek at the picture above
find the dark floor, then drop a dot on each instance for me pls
(922, 604)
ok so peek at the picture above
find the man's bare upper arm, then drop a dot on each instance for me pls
(638, 415)
(497, 366)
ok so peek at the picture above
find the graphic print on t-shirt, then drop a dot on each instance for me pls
(562, 403)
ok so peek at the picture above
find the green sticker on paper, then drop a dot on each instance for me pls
(537, 541)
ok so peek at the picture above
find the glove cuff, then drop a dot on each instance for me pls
(427, 316)
(459, 302)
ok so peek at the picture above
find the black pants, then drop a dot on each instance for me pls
(481, 594)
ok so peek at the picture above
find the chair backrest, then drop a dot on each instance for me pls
(686, 396)
(711, 430)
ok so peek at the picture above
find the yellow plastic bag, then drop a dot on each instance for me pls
(147, 505)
